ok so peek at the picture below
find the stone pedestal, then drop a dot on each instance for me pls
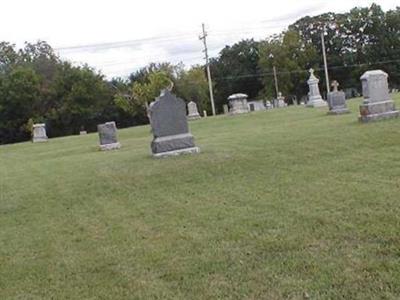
(108, 136)
(39, 133)
(314, 96)
(337, 101)
(238, 104)
(193, 113)
(280, 101)
(377, 104)
(170, 127)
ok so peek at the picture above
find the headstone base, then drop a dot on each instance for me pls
(339, 111)
(194, 117)
(317, 103)
(172, 143)
(110, 147)
(39, 139)
(378, 111)
(192, 150)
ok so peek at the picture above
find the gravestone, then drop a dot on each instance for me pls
(280, 101)
(170, 127)
(226, 109)
(314, 96)
(83, 132)
(337, 101)
(238, 104)
(193, 113)
(377, 104)
(256, 105)
(39, 133)
(108, 136)
(268, 104)
(204, 113)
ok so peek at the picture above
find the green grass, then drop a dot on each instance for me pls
(279, 205)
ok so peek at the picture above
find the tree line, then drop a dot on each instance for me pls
(37, 86)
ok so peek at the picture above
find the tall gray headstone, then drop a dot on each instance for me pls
(108, 136)
(314, 96)
(193, 113)
(170, 127)
(377, 104)
(337, 101)
(238, 104)
(39, 133)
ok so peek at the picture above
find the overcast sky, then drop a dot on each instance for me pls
(120, 36)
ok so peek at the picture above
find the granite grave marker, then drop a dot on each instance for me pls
(170, 127)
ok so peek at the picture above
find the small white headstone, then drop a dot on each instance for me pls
(193, 113)
(39, 133)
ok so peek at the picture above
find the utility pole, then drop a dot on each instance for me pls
(204, 38)
(271, 56)
(325, 63)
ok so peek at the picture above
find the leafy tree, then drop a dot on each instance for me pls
(142, 93)
(192, 85)
(19, 96)
(236, 71)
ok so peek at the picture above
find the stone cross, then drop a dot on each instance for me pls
(335, 86)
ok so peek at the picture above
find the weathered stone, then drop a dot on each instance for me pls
(204, 113)
(226, 109)
(238, 104)
(170, 127)
(377, 104)
(314, 96)
(39, 133)
(268, 105)
(337, 101)
(193, 113)
(256, 105)
(280, 101)
(108, 136)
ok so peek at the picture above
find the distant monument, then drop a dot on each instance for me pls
(314, 96)
(337, 101)
(39, 133)
(226, 109)
(108, 136)
(280, 101)
(170, 127)
(238, 104)
(256, 105)
(377, 104)
(82, 131)
(193, 113)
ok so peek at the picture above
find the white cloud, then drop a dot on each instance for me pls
(176, 25)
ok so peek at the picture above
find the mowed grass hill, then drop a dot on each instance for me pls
(284, 204)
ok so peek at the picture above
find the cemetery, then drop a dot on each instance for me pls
(267, 170)
(262, 207)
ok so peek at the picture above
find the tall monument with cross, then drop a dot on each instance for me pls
(314, 96)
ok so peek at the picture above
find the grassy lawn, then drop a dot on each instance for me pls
(283, 204)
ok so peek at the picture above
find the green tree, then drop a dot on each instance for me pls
(142, 93)
(192, 85)
(236, 71)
